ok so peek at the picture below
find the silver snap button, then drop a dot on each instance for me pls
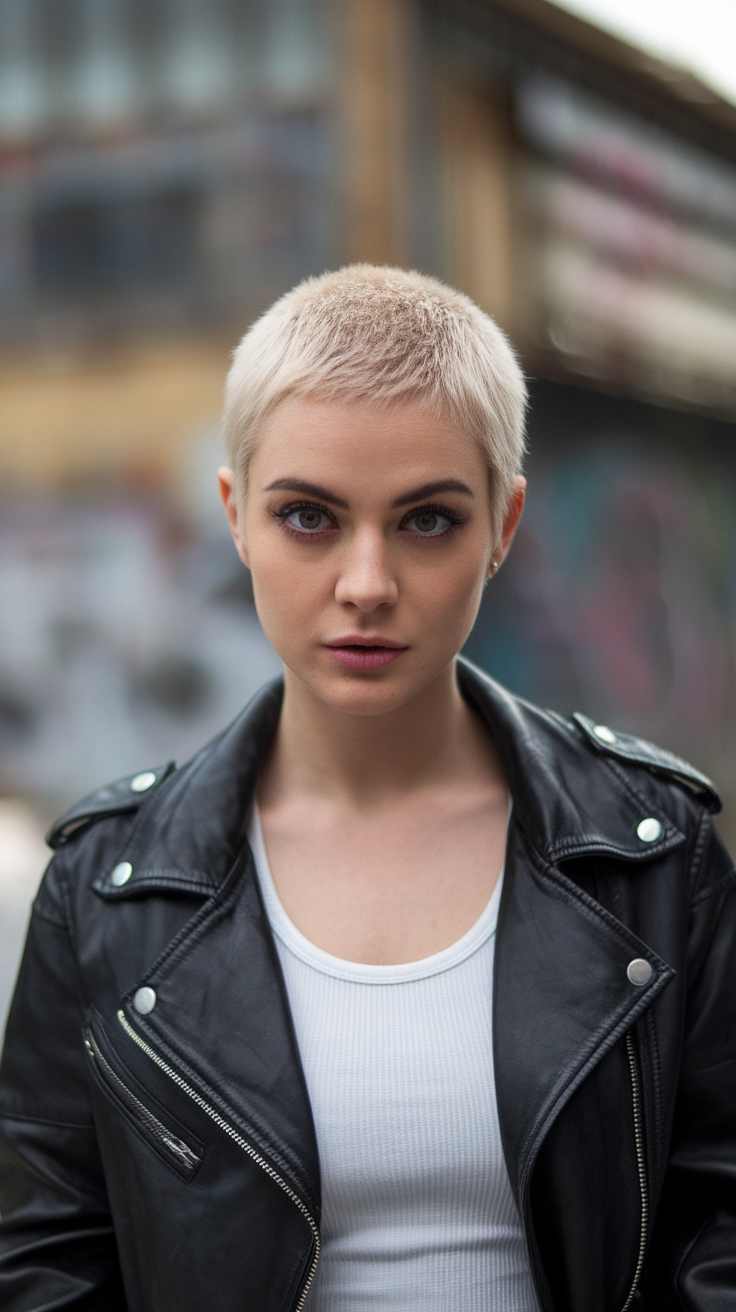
(144, 1000)
(605, 734)
(649, 830)
(121, 874)
(143, 781)
(639, 972)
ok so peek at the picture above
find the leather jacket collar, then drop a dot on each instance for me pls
(556, 805)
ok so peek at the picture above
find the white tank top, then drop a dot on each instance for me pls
(417, 1210)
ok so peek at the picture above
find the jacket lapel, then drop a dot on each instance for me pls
(562, 996)
(222, 1018)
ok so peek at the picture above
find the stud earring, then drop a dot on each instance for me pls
(494, 566)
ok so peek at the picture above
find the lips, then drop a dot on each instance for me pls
(356, 652)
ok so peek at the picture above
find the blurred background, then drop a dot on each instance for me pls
(167, 168)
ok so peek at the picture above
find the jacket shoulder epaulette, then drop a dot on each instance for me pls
(125, 795)
(626, 747)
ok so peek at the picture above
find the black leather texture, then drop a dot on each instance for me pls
(167, 1161)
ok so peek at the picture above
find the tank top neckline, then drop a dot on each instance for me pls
(356, 972)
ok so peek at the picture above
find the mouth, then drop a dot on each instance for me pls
(357, 652)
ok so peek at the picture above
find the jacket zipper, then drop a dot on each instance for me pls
(641, 1167)
(239, 1140)
(171, 1142)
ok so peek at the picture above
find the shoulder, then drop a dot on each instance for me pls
(575, 755)
(123, 797)
(637, 752)
(645, 801)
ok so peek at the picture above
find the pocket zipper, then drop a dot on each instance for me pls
(239, 1140)
(640, 1166)
(185, 1156)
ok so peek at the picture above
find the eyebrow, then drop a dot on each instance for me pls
(308, 489)
(416, 494)
(431, 490)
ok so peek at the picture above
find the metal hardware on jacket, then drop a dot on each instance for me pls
(158, 1151)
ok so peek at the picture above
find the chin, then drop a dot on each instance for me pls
(367, 694)
(357, 701)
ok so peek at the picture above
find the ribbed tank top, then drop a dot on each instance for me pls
(417, 1209)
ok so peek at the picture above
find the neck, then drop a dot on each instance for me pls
(363, 760)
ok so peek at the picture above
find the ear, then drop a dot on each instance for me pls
(226, 480)
(510, 523)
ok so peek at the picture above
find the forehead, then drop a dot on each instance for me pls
(363, 447)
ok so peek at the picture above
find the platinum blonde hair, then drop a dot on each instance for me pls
(381, 336)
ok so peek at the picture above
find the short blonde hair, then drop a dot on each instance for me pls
(382, 336)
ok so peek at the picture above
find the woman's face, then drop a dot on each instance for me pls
(368, 535)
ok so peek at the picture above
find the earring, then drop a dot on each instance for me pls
(494, 566)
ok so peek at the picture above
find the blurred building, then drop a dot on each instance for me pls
(167, 167)
(588, 197)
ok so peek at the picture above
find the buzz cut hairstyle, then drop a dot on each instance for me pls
(381, 336)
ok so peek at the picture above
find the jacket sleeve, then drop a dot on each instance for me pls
(692, 1265)
(57, 1246)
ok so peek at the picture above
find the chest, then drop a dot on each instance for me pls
(397, 886)
(401, 1085)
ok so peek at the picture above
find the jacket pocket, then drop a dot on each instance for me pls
(184, 1156)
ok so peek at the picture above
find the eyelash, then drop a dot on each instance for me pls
(431, 508)
(285, 511)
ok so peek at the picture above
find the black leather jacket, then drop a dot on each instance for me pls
(165, 1159)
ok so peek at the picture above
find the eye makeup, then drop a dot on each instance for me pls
(305, 510)
(310, 519)
(429, 513)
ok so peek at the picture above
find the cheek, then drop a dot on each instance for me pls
(286, 590)
(449, 596)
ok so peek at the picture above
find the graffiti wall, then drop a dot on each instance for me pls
(619, 596)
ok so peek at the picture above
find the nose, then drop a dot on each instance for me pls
(366, 578)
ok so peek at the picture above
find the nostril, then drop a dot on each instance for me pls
(367, 586)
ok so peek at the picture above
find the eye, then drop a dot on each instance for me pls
(305, 520)
(431, 522)
(308, 520)
(428, 523)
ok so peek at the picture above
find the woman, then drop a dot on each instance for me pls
(402, 994)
